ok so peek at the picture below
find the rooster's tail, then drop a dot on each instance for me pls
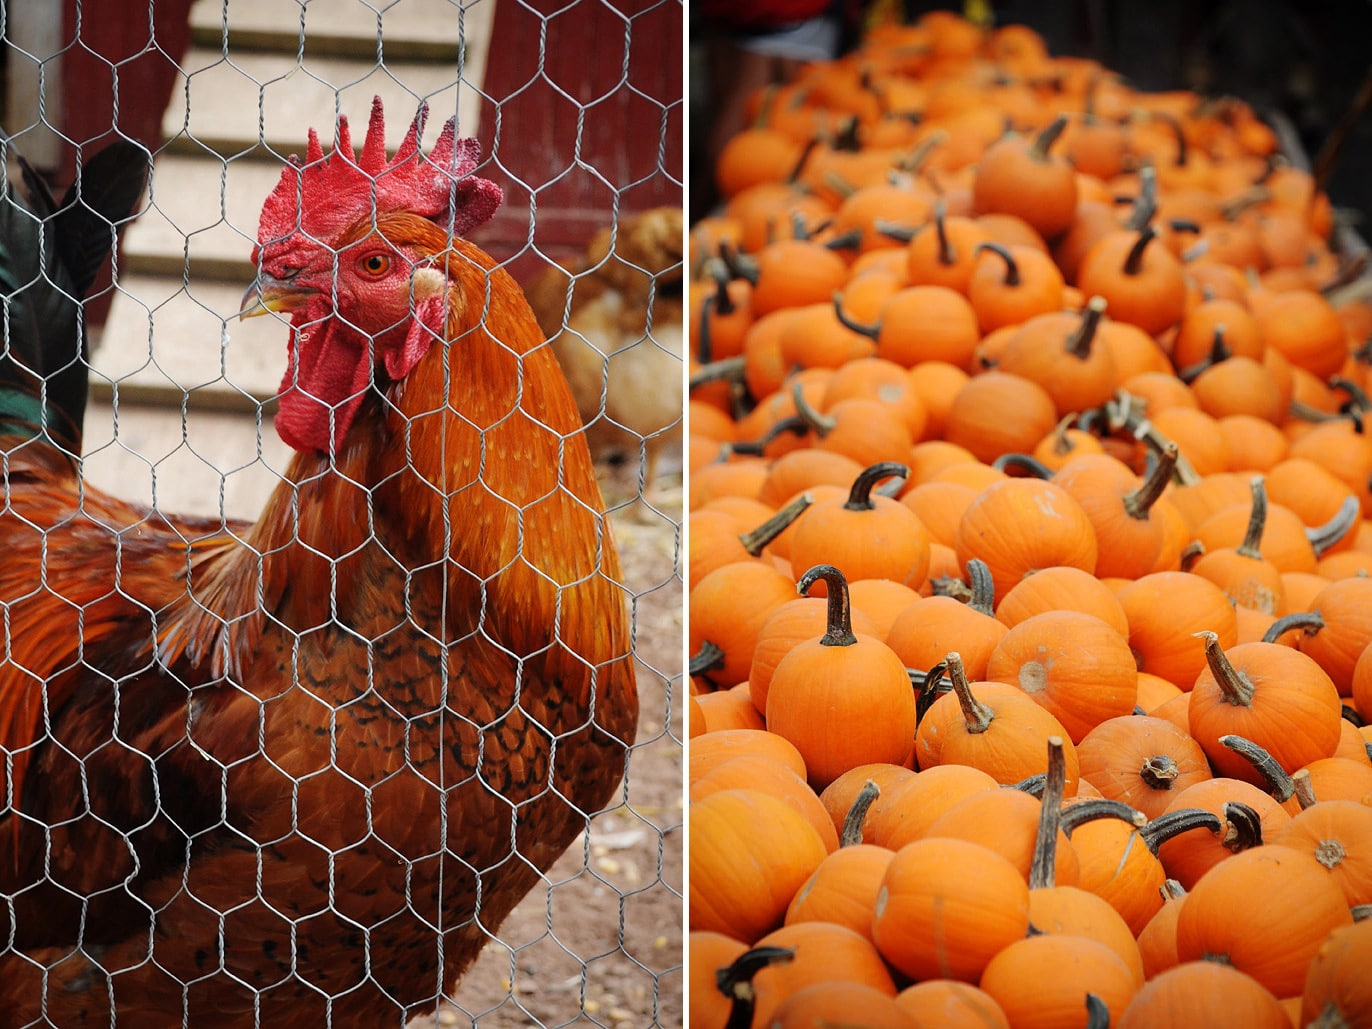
(50, 252)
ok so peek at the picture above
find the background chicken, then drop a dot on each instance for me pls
(302, 769)
(620, 341)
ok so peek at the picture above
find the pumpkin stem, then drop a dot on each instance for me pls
(1045, 139)
(1035, 468)
(709, 657)
(1243, 829)
(1257, 521)
(1361, 912)
(1248, 198)
(1012, 276)
(1033, 785)
(947, 256)
(809, 148)
(1146, 204)
(1139, 503)
(918, 156)
(730, 369)
(1125, 413)
(840, 185)
(1172, 890)
(850, 240)
(1310, 621)
(1062, 443)
(896, 231)
(976, 715)
(1133, 263)
(1219, 351)
(1279, 784)
(983, 584)
(1161, 829)
(1305, 796)
(735, 981)
(1358, 399)
(860, 496)
(758, 447)
(840, 613)
(1079, 343)
(723, 301)
(1050, 817)
(851, 323)
(847, 138)
(1235, 687)
(754, 541)
(851, 835)
(821, 423)
(1159, 772)
(1097, 1013)
(927, 683)
(1322, 537)
(1079, 814)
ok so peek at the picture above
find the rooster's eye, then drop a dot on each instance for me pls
(376, 264)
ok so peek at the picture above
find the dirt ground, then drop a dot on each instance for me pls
(601, 943)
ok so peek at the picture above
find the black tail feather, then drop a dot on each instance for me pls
(50, 254)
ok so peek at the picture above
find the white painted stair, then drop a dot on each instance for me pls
(181, 391)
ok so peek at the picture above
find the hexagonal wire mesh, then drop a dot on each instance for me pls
(288, 735)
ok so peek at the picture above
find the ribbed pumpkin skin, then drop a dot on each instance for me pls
(1265, 910)
(749, 853)
(843, 706)
(1073, 664)
(1204, 993)
(1294, 716)
(950, 1004)
(1337, 977)
(823, 953)
(946, 907)
(1041, 982)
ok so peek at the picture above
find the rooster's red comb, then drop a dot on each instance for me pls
(326, 193)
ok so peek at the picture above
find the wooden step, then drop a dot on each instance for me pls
(200, 462)
(165, 343)
(264, 104)
(409, 29)
(200, 218)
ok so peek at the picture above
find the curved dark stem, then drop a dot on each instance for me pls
(848, 322)
(1093, 810)
(730, 369)
(755, 540)
(735, 981)
(1243, 827)
(860, 496)
(1140, 502)
(1046, 138)
(840, 613)
(1322, 537)
(929, 690)
(983, 585)
(1174, 823)
(1079, 343)
(1278, 782)
(1310, 621)
(1133, 263)
(1022, 463)
(794, 424)
(946, 254)
(706, 659)
(1257, 521)
(1012, 276)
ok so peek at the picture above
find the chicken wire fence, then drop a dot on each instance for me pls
(345, 732)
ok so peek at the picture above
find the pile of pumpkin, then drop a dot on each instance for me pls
(1029, 558)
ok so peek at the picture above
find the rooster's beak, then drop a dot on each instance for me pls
(272, 294)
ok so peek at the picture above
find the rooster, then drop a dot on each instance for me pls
(296, 772)
(620, 336)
